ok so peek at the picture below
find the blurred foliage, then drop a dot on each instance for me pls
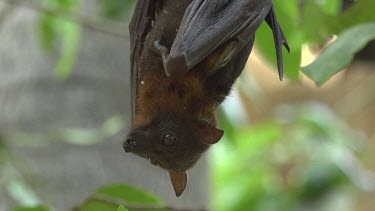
(38, 208)
(78, 136)
(122, 208)
(343, 50)
(115, 8)
(17, 184)
(314, 22)
(304, 159)
(311, 22)
(294, 162)
(53, 28)
(13, 181)
(109, 198)
(58, 33)
(116, 197)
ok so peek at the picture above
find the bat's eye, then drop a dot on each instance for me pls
(169, 140)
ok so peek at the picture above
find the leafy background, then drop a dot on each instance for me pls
(286, 147)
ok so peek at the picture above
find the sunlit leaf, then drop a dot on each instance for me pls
(55, 30)
(81, 136)
(112, 125)
(339, 54)
(71, 37)
(109, 198)
(22, 193)
(122, 208)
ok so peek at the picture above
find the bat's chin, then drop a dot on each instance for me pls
(152, 160)
(143, 155)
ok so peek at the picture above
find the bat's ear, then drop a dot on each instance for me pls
(179, 180)
(208, 133)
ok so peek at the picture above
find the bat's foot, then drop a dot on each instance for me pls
(174, 66)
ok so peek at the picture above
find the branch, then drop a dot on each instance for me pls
(108, 27)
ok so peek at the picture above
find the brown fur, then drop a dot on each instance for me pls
(157, 92)
(178, 82)
(181, 106)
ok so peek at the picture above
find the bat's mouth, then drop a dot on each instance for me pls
(130, 145)
(154, 161)
(143, 155)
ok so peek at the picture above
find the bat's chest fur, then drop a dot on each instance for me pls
(186, 96)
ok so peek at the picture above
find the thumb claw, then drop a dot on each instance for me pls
(176, 65)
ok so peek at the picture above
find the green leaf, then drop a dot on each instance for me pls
(96, 205)
(332, 7)
(339, 54)
(256, 140)
(361, 12)
(317, 25)
(115, 8)
(109, 198)
(71, 38)
(112, 125)
(122, 208)
(23, 194)
(38, 208)
(53, 28)
(321, 177)
(82, 137)
(47, 32)
(128, 194)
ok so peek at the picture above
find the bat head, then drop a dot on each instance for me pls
(174, 143)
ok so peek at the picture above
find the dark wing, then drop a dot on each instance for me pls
(139, 26)
(208, 24)
(279, 38)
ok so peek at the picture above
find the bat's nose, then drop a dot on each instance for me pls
(129, 144)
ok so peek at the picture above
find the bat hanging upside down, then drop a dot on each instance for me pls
(186, 55)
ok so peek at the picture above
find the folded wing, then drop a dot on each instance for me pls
(208, 24)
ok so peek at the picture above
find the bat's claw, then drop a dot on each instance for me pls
(161, 48)
(174, 66)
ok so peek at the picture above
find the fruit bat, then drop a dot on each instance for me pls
(185, 57)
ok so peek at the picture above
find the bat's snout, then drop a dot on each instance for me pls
(129, 144)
